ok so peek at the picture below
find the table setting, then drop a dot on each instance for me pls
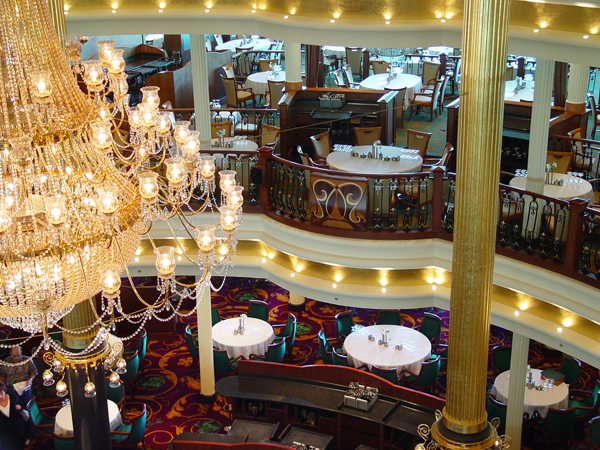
(242, 336)
(375, 158)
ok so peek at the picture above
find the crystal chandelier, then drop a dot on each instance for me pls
(85, 177)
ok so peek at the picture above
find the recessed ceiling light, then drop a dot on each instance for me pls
(387, 22)
(253, 11)
(286, 16)
(115, 5)
(448, 15)
(384, 290)
(264, 260)
(206, 10)
(160, 10)
(332, 21)
(517, 313)
(434, 287)
(334, 285)
(136, 259)
(113, 11)
(536, 30)
(559, 329)
(443, 20)
(292, 274)
(585, 36)
(543, 25)
(336, 15)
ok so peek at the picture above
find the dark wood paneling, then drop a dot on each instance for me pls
(175, 86)
(214, 62)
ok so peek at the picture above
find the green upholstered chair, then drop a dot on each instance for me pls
(275, 352)
(388, 317)
(571, 368)
(338, 359)
(130, 436)
(116, 394)
(442, 351)
(214, 315)
(387, 374)
(132, 361)
(431, 327)
(325, 348)
(141, 346)
(586, 403)
(288, 331)
(426, 378)
(557, 427)
(224, 365)
(343, 325)
(496, 410)
(63, 442)
(593, 433)
(191, 339)
(501, 359)
(259, 310)
(42, 420)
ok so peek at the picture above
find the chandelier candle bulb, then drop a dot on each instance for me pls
(48, 377)
(117, 63)
(61, 389)
(56, 211)
(105, 49)
(108, 199)
(101, 136)
(90, 389)
(135, 117)
(227, 179)
(206, 238)
(163, 123)
(92, 74)
(165, 260)
(228, 218)
(114, 380)
(234, 197)
(148, 186)
(42, 84)
(111, 282)
(175, 171)
(207, 167)
(181, 130)
(150, 96)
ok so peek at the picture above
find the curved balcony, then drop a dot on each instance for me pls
(385, 241)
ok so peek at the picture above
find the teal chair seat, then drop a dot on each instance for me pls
(586, 403)
(501, 355)
(431, 327)
(427, 377)
(338, 359)
(223, 365)
(131, 435)
(557, 426)
(41, 420)
(594, 432)
(214, 315)
(64, 442)
(126, 429)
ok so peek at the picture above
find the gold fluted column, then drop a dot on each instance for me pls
(81, 316)
(485, 34)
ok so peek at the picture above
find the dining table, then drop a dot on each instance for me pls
(259, 81)
(409, 160)
(255, 44)
(256, 338)
(514, 94)
(416, 348)
(63, 423)
(572, 187)
(412, 83)
(335, 50)
(535, 400)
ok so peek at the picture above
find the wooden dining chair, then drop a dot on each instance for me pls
(348, 74)
(215, 127)
(563, 161)
(367, 136)
(427, 100)
(401, 103)
(275, 93)
(269, 135)
(264, 65)
(322, 146)
(380, 67)
(340, 79)
(236, 95)
(431, 71)
(354, 60)
(418, 140)
(595, 115)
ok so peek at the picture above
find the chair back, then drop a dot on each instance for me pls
(275, 92)
(222, 363)
(215, 127)
(324, 347)
(343, 324)
(264, 65)
(230, 91)
(380, 67)
(563, 161)
(289, 326)
(347, 70)
(142, 344)
(117, 394)
(496, 409)
(367, 136)
(268, 135)
(431, 71)
(338, 359)
(215, 317)
(437, 90)
(259, 310)
(293, 325)
(594, 114)
(431, 327)
(558, 422)
(576, 133)
(64, 442)
(429, 373)
(340, 78)
(132, 366)
(418, 140)
(276, 351)
(388, 317)
(571, 368)
(138, 429)
(39, 422)
(228, 70)
(321, 144)
(354, 59)
(192, 342)
(303, 156)
(501, 355)
(387, 374)
(442, 92)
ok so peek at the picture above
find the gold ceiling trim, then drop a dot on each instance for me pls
(552, 16)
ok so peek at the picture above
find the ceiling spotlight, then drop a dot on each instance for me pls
(206, 10)
(286, 16)
(292, 274)
(443, 20)
(336, 15)
(536, 30)
(384, 290)
(332, 21)
(387, 22)
(253, 11)
(264, 260)
(559, 329)
(115, 5)
(517, 313)
(162, 5)
(113, 11)
(334, 285)
(160, 10)
(585, 36)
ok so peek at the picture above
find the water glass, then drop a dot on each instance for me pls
(551, 385)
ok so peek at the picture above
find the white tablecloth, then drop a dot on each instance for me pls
(259, 81)
(64, 420)
(334, 50)
(256, 339)
(525, 94)
(534, 399)
(256, 45)
(416, 348)
(565, 192)
(412, 83)
(346, 163)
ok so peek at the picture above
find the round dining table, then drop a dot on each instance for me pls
(255, 45)
(512, 94)
(63, 423)
(577, 188)
(412, 83)
(259, 83)
(416, 348)
(334, 50)
(345, 162)
(257, 336)
(535, 400)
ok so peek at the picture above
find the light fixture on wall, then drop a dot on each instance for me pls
(79, 189)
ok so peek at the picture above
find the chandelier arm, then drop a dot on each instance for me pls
(183, 252)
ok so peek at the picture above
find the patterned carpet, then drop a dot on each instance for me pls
(169, 383)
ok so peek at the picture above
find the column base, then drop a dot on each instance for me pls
(448, 439)
(207, 399)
